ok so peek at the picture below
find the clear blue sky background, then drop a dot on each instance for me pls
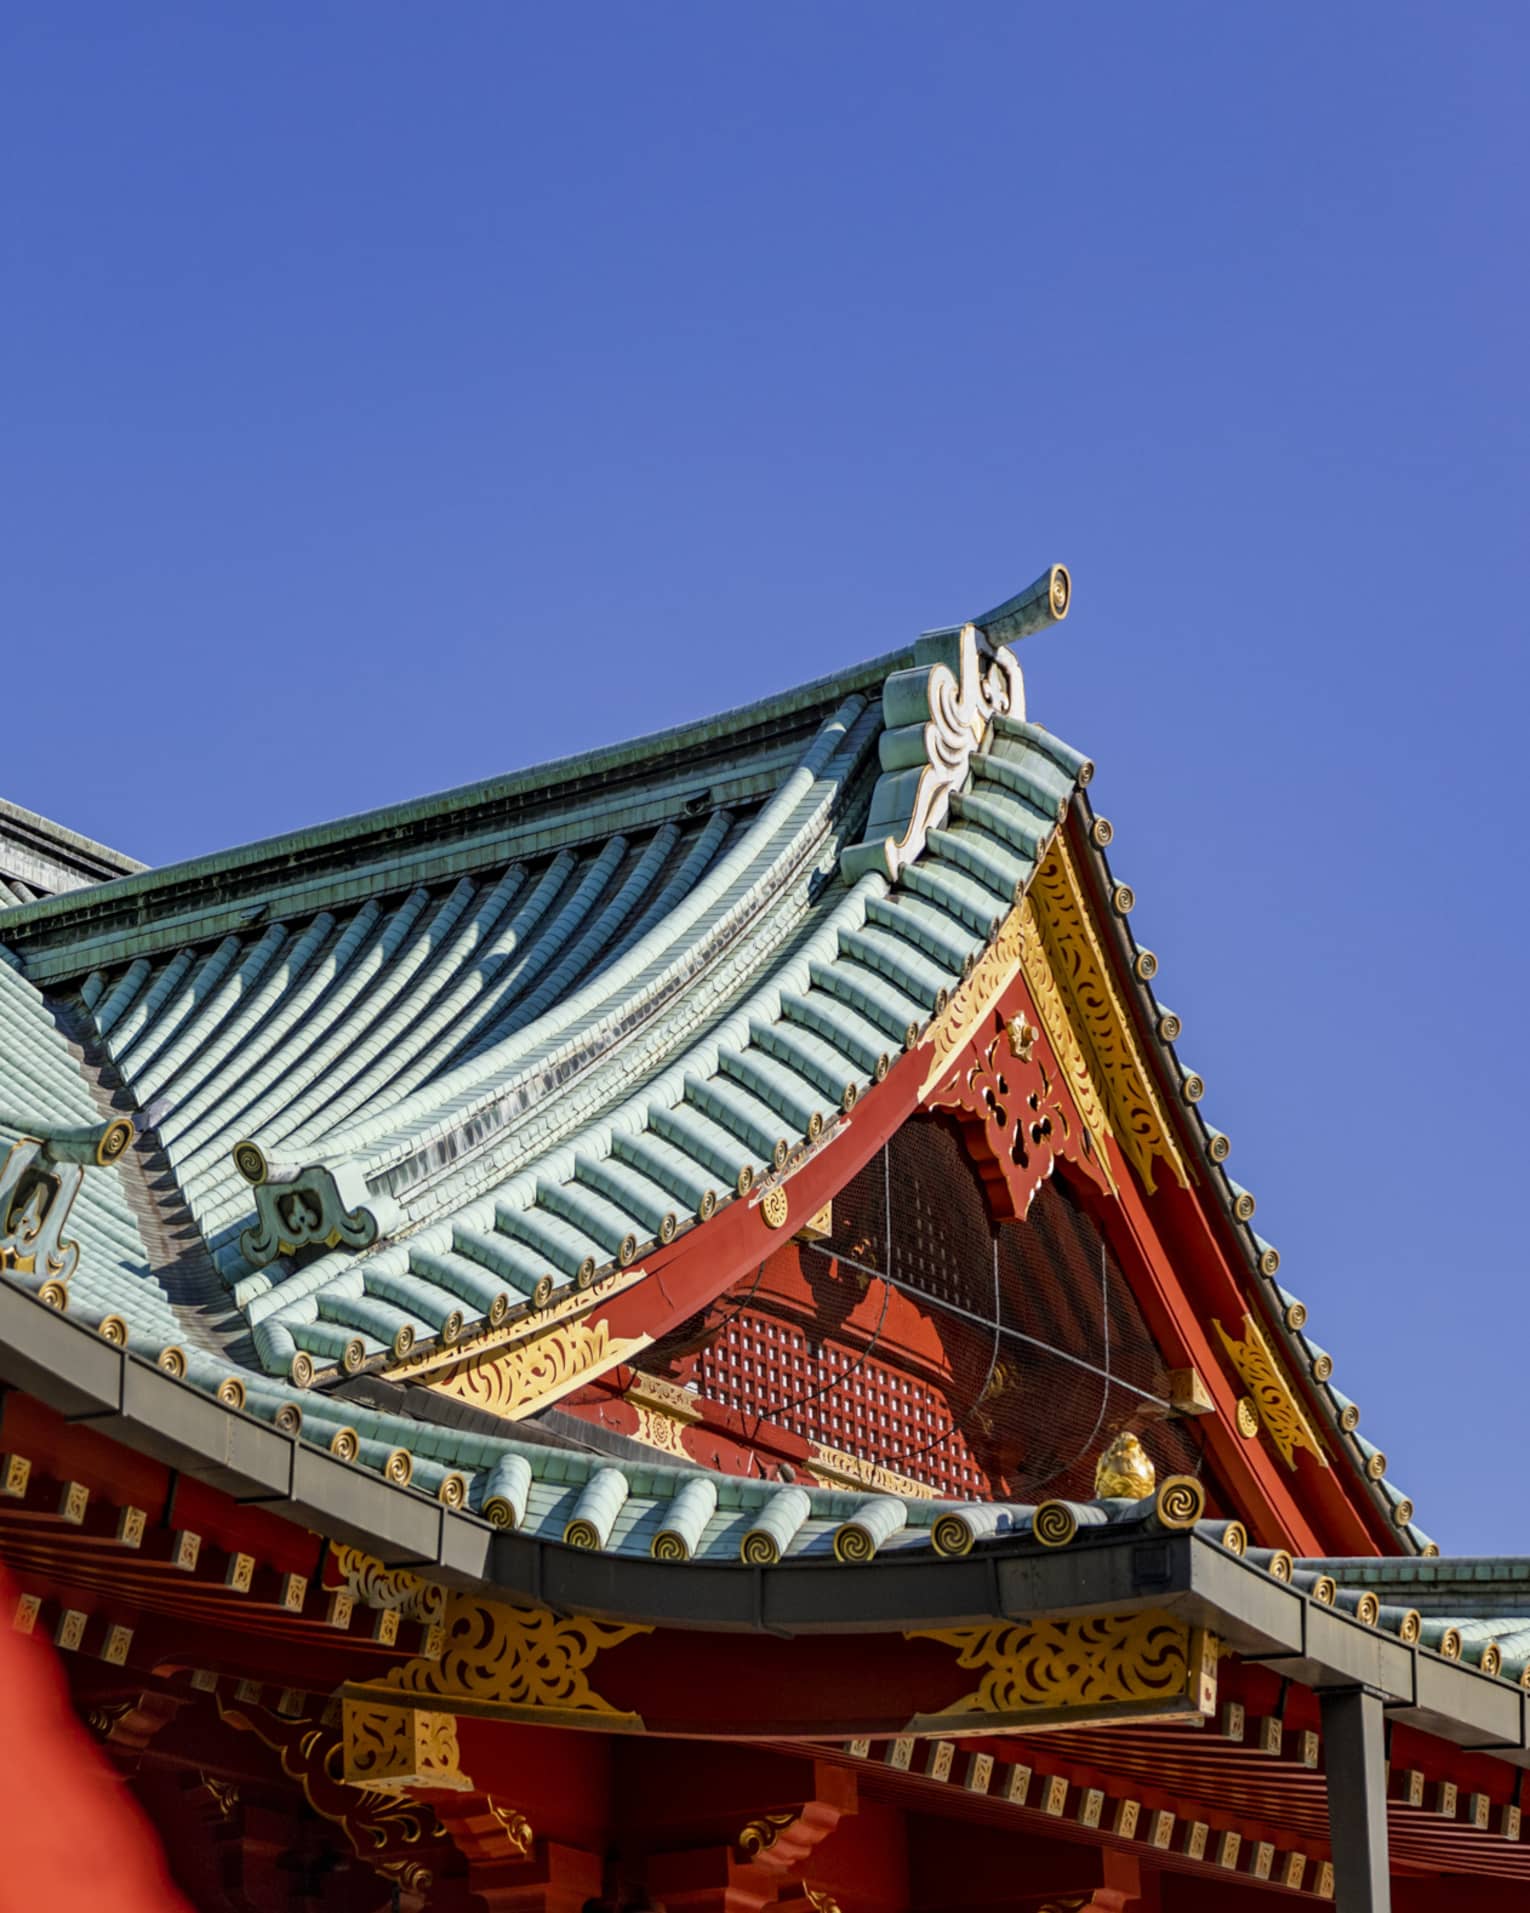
(395, 395)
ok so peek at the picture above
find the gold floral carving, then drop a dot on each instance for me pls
(1125, 1666)
(1273, 1399)
(386, 1747)
(973, 999)
(833, 1468)
(758, 1836)
(525, 1328)
(498, 1657)
(1097, 1014)
(538, 1373)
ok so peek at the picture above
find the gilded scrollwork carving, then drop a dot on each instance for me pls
(1095, 1011)
(1270, 1394)
(40, 1179)
(391, 1746)
(1095, 1668)
(536, 1373)
(501, 1657)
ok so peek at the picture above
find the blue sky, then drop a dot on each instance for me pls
(398, 395)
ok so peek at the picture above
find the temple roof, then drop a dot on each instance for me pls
(505, 1042)
(39, 858)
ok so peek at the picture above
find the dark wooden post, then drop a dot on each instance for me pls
(1354, 1745)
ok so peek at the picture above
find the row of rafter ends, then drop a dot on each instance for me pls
(1283, 1311)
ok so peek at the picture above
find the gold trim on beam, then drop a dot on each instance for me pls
(1035, 1673)
(519, 1380)
(1086, 986)
(1272, 1396)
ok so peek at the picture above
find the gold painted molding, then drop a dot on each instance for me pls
(520, 1662)
(973, 999)
(833, 1468)
(535, 1374)
(1085, 985)
(1273, 1398)
(1062, 1036)
(1142, 1666)
(525, 1328)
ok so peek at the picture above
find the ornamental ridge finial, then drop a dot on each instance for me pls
(1124, 1470)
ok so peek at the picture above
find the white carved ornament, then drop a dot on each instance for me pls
(961, 709)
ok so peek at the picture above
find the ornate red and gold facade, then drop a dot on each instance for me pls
(748, 1382)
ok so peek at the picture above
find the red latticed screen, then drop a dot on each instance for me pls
(978, 1358)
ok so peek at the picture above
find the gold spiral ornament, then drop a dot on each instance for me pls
(1244, 1206)
(1449, 1645)
(1102, 831)
(453, 1491)
(115, 1141)
(1402, 1513)
(300, 1369)
(345, 1444)
(779, 1154)
(1324, 1590)
(112, 1328)
(775, 1208)
(498, 1511)
(1181, 1502)
(815, 1125)
(1349, 1417)
(541, 1292)
(55, 1296)
(399, 1467)
(450, 1330)
(1084, 775)
(289, 1419)
(353, 1355)
(881, 1067)
(911, 1036)
(1269, 1262)
(853, 1544)
(173, 1361)
(1248, 1417)
(1170, 1030)
(1060, 591)
(668, 1224)
(1296, 1317)
(1492, 1659)
(942, 1000)
(743, 1182)
(1054, 1524)
(403, 1341)
(1368, 1608)
(1411, 1627)
(1524, 1675)
(1193, 1088)
(707, 1207)
(583, 1276)
(1322, 1367)
(849, 1096)
(581, 1533)
(1234, 1537)
(669, 1546)
(1280, 1566)
(759, 1549)
(250, 1161)
(1431, 1550)
(1146, 966)
(499, 1308)
(1219, 1148)
(1123, 899)
(1376, 1464)
(626, 1251)
(951, 1535)
(231, 1392)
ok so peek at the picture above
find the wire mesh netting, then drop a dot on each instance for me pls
(980, 1358)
